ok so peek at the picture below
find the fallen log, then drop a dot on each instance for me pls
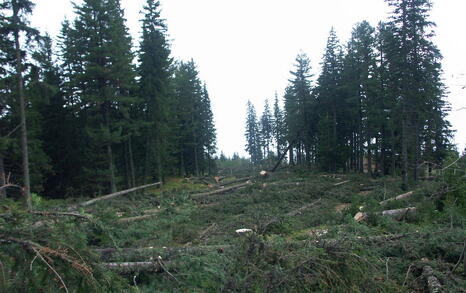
(341, 183)
(398, 197)
(397, 213)
(146, 253)
(131, 267)
(112, 195)
(60, 214)
(137, 218)
(432, 282)
(219, 191)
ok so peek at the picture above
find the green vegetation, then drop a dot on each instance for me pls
(303, 239)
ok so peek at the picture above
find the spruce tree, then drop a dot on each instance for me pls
(330, 148)
(154, 71)
(15, 26)
(252, 134)
(266, 129)
(97, 50)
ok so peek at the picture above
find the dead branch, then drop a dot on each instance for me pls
(398, 197)
(112, 195)
(48, 252)
(432, 282)
(341, 183)
(219, 191)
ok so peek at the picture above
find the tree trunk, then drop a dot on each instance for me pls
(22, 109)
(404, 151)
(158, 158)
(2, 178)
(131, 162)
(111, 167)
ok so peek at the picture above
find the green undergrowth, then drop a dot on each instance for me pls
(320, 248)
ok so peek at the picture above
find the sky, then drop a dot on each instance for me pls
(245, 49)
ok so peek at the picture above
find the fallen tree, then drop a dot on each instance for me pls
(112, 195)
(398, 214)
(60, 214)
(146, 253)
(131, 267)
(398, 197)
(341, 183)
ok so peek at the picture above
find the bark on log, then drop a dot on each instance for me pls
(112, 195)
(399, 197)
(220, 191)
(432, 282)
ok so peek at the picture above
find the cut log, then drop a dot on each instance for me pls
(219, 191)
(432, 282)
(399, 197)
(112, 195)
(341, 183)
(397, 214)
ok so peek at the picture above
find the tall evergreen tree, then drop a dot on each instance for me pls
(266, 129)
(155, 71)
(278, 127)
(253, 139)
(330, 147)
(15, 26)
(420, 87)
(98, 55)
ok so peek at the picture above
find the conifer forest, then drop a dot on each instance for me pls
(111, 179)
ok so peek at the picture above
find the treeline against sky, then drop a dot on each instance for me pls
(378, 101)
(100, 114)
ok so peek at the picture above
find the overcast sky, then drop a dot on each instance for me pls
(245, 49)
